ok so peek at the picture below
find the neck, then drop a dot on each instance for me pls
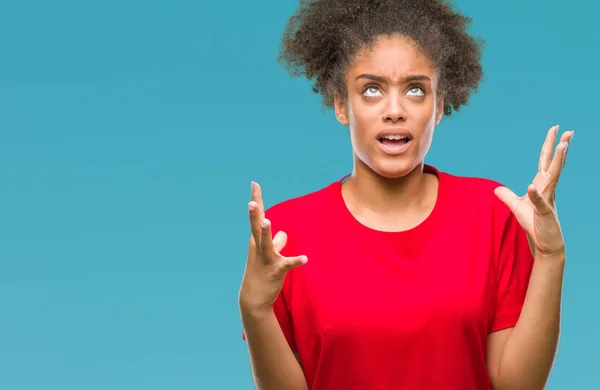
(371, 196)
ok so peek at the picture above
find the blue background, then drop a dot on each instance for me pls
(130, 131)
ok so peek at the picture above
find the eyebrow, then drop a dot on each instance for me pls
(385, 79)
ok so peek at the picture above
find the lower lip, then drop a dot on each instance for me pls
(394, 149)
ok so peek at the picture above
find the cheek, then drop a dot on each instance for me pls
(362, 124)
(428, 129)
(426, 118)
(362, 116)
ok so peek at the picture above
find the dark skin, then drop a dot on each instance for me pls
(393, 85)
(390, 193)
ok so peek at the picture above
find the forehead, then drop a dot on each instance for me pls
(394, 57)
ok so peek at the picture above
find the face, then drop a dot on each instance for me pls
(391, 107)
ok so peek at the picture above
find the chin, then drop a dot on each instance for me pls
(393, 169)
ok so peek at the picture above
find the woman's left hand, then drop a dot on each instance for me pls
(536, 210)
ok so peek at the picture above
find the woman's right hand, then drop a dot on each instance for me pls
(265, 266)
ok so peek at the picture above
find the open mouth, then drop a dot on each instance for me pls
(394, 140)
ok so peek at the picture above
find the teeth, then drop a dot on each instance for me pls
(394, 137)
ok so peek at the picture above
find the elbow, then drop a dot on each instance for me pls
(521, 381)
(513, 373)
(523, 386)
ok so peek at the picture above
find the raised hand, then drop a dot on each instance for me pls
(265, 266)
(536, 211)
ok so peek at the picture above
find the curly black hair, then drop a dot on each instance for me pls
(323, 37)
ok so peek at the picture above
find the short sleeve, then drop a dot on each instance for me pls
(281, 306)
(514, 266)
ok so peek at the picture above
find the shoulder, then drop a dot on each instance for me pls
(461, 183)
(303, 207)
(475, 192)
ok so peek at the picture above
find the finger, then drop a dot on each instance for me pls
(557, 163)
(508, 197)
(254, 216)
(251, 250)
(266, 241)
(257, 197)
(538, 201)
(279, 241)
(289, 263)
(546, 154)
(569, 138)
(566, 136)
(251, 244)
(256, 210)
(514, 204)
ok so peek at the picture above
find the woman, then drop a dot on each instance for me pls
(417, 279)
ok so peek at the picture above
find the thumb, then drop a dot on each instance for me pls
(289, 263)
(508, 197)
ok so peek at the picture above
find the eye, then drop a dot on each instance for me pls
(371, 91)
(416, 90)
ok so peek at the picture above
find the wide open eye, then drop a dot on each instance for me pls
(416, 90)
(371, 91)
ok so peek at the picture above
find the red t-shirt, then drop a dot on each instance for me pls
(401, 310)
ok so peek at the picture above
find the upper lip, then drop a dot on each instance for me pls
(400, 132)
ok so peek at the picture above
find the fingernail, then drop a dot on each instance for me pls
(252, 185)
(251, 207)
(304, 259)
(264, 223)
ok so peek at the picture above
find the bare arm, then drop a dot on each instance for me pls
(527, 356)
(274, 365)
(522, 357)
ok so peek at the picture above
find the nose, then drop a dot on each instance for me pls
(394, 110)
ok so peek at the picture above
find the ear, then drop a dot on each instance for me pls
(440, 110)
(341, 109)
